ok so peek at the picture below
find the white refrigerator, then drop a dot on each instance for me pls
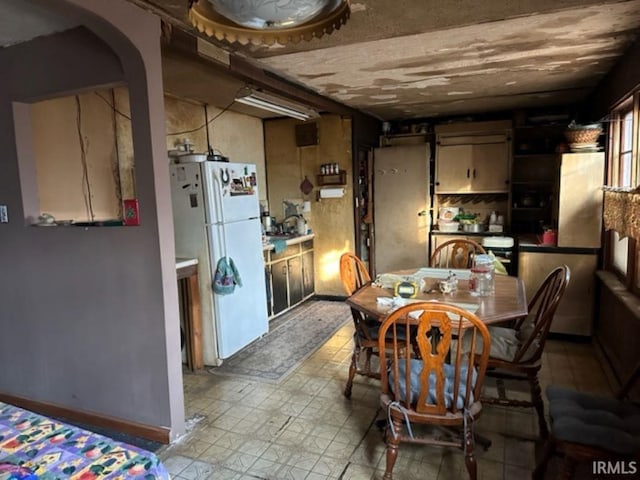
(216, 213)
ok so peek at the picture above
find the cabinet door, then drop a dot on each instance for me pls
(294, 266)
(581, 197)
(473, 163)
(279, 285)
(490, 167)
(574, 315)
(308, 281)
(453, 168)
(401, 188)
(267, 281)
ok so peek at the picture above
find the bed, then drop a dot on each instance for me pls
(56, 450)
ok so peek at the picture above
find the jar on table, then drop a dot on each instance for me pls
(481, 280)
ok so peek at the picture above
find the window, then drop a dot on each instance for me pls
(623, 172)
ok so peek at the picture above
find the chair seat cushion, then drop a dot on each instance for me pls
(449, 372)
(601, 422)
(505, 343)
(374, 329)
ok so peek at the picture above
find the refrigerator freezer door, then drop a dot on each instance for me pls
(238, 185)
(241, 316)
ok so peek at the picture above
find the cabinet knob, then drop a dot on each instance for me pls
(422, 213)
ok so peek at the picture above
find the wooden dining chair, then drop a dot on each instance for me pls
(433, 385)
(516, 352)
(354, 275)
(590, 428)
(455, 253)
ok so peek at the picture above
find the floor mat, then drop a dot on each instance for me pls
(292, 338)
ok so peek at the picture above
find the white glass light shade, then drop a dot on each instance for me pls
(265, 22)
(272, 14)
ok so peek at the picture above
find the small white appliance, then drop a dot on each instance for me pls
(504, 250)
(216, 213)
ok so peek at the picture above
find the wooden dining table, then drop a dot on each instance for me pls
(507, 303)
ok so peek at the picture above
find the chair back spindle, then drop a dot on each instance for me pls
(456, 253)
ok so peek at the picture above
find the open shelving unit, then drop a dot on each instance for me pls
(333, 179)
(535, 177)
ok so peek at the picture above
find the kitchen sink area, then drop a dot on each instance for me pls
(289, 274)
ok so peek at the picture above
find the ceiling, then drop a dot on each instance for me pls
(423, 58)
(21, 20)
(403, 59)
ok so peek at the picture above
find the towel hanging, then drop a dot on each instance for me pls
(226, 277)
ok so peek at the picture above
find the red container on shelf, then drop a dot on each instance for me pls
(549, 237)
(131, 213)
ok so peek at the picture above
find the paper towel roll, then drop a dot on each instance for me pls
(331, 192)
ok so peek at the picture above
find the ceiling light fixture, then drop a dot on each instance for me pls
(267, 21)
(275, 104)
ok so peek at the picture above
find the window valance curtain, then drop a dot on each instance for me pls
(622, 211)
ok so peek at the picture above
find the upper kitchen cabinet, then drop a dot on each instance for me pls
(580, 199)
(473, 157)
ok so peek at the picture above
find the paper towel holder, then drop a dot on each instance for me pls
(330, 192)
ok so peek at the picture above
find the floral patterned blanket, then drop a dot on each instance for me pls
(54, 450)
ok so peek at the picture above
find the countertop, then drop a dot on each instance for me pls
(472, 234)
(290, 240)
(524, 243)
(530, 243)
(185, 262)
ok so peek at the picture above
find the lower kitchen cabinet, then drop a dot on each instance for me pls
(280, 297)
(294, 268)
(290, 278)
(308, 280)
(575, 312)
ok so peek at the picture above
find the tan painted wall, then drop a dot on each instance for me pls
(330, 219)
(241, 138)
(126, 155)
(110, 163)
(62, 188)
(237, 136)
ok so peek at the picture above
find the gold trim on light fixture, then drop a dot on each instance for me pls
(208, 21)
(271, 103)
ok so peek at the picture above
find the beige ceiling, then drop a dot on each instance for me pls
(421, 58)
(403, 59)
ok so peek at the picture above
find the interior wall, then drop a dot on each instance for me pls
(617, 327)
(241, 138)
(331, 220)
(235, 135)
(89, 316)
(623, 79)
(62, 185)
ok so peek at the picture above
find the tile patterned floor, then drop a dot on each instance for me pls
(304, 429)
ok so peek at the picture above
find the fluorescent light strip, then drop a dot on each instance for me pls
(264, 103)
